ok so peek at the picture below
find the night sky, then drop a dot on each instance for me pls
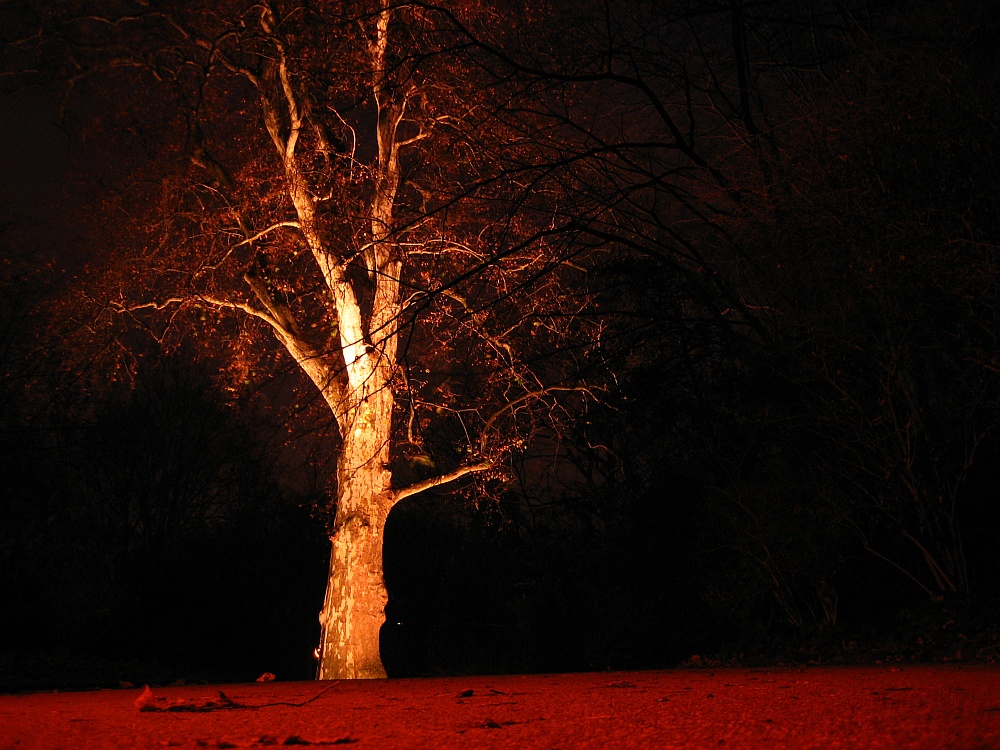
(39, 189)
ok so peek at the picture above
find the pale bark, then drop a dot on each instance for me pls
(354, 607)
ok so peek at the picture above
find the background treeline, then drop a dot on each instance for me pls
(797, 458)
(147, 533)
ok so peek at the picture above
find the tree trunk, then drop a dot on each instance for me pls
(354, 608)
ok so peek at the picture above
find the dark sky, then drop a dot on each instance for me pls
(37, 189)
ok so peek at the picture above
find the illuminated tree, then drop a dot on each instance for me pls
(303, 175)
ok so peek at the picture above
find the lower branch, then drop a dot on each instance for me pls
(427, 484)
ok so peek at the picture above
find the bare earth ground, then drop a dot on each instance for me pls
(819, 707)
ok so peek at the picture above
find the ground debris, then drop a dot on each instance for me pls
(294, 739)
(149, 702)
(267, 740)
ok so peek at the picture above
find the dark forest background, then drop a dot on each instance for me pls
(817, 485)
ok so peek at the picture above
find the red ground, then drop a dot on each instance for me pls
(873, 707)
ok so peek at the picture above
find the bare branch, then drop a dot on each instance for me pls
(451, 476)
(525, 398)
(282, 316)
(198, 299)
(266, 231)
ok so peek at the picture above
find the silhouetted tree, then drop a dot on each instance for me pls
(812, 182)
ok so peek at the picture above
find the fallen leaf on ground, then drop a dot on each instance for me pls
(146, 699)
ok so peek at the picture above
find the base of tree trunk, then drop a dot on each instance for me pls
(354, 609)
